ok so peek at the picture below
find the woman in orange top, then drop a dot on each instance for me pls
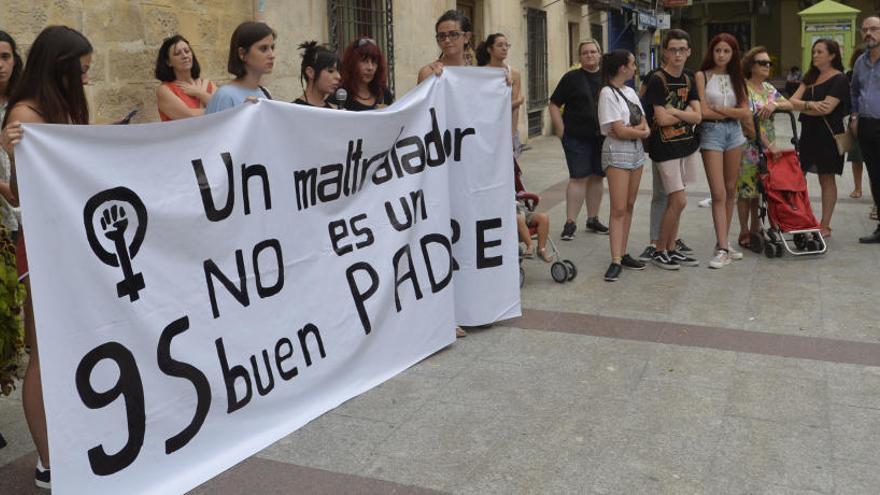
(182, 93)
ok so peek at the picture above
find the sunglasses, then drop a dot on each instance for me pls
(450, 35)
(365, 41)
(764, 63)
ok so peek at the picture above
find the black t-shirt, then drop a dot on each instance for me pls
(578, 90)
(355, 105)
(674, 141)
(300, 101)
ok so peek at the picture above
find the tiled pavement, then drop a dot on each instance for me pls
(761, 378)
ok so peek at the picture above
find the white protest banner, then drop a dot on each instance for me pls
(204, 287)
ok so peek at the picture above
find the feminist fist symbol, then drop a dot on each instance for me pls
(114, 222)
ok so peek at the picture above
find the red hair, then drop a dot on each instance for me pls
(366, 51)
(734, 67)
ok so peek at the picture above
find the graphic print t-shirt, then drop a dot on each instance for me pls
(678, 140)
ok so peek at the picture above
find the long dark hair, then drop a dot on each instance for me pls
(318, 57)
(164, 72)
(245, 35)
(833, 49)
(360, 49)
(482, 51)
(734, 65)
(612, 62)
(464, 23)
(17, 63)
(52, 77)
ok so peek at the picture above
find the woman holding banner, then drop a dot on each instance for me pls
(453, 34)
(365, 76)
(251, 56)
(50, 91)
(183, 93)
(320, 74)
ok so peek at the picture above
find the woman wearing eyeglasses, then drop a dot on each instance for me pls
(365, 76)
(764, 99)
(493, 53)
(453, 34)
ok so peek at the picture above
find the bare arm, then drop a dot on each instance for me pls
(516, 95)
(621, 131)
(435, 67)
(24, 115)
(739, 112)
(172, 106)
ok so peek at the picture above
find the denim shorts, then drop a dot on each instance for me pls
(583, 156)
(721, 136)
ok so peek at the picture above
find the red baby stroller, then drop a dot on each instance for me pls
(561, 270)
(784, 198)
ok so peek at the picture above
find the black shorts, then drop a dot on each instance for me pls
(583, 156)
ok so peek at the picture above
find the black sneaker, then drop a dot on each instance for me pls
(631, 263)
(568, 231)
(648, 253)
(2, 441)
(613, 272)
(596, 226)
(681, 247)
(871, 239)
(662, 260)
(683, 259)
(42, 477)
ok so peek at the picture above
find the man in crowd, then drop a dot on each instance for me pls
(865, 119)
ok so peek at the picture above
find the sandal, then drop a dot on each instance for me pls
(744, 240)
(544, 255)
(856, 194)
(528, 252)
(873, 214)
(459, 332)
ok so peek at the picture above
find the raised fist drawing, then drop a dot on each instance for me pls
(114, 223)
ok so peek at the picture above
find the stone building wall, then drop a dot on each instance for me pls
(126, 35)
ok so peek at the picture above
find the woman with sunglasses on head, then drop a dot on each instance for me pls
(50, 92)
(764, 99)
(251, 56)
(365, 76)
(319, 74)
(823, 99)
(453, 34)
(493, 53)
(724, 103)
(183, 93)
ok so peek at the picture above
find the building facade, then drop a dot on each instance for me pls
(126, 35)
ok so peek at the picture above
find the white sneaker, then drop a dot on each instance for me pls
(720, 260)
(705, 203)
(734, 254)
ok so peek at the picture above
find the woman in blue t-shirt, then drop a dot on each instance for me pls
(251, 56)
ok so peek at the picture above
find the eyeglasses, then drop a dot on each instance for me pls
(678, 51)
(872, 29)
(764, 63)
(450, 35)
(503, 45)
(365, 41)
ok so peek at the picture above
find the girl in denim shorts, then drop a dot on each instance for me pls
(622, 122)
(724, 102)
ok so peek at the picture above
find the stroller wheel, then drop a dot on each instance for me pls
(778, 248)
(800, 242)
(558, 271)
(572, 271)
(811, 245)
(522, 276)
(756, 242)
(769, 250)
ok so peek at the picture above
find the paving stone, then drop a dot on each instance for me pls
(856, 432)
(776, 397)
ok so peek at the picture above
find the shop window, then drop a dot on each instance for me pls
(350, 19)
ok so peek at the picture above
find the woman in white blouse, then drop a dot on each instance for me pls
(724, 103)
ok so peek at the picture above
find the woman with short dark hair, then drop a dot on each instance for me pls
(319, 74)
(50, 92)
(251, 56)
(183, 93)
(365, 76)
